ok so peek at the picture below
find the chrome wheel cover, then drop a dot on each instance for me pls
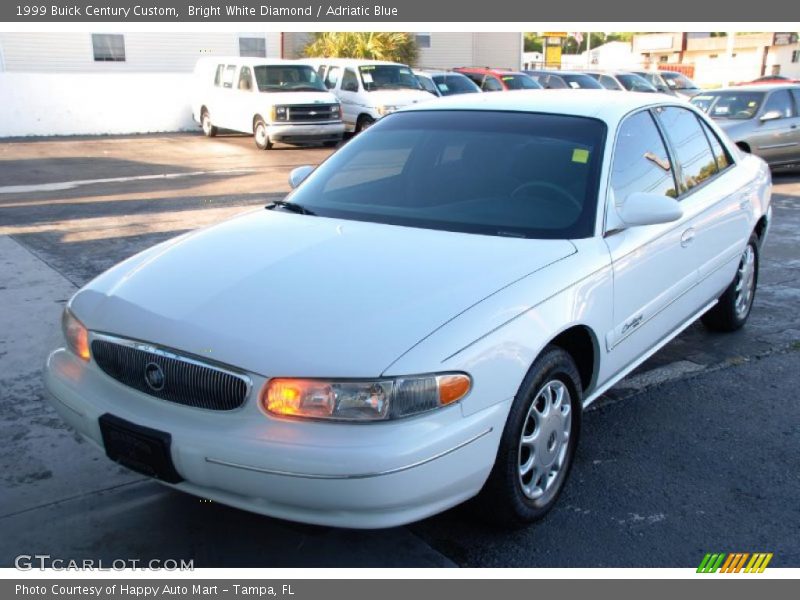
(261, 134)
(745, 282)
(544, 441)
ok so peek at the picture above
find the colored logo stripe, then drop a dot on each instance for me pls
(734, 562)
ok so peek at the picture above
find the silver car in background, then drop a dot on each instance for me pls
(671, 83)
(762, 119)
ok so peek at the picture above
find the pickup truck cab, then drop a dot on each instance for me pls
(275, 100)
(368, 89)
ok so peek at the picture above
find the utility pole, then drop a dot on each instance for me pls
(729, 70)
(588, 49)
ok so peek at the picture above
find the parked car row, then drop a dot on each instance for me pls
(317, 101)
(763, 119)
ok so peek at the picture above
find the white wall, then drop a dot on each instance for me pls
(167, 52)
(82, 103)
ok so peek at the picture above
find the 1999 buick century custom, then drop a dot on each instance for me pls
(424, 318)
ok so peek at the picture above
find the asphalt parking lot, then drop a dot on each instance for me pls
(696, 452)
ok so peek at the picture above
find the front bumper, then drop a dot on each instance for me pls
(305, 133)
(349, 475)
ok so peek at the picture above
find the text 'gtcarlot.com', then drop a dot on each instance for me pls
(29, 562)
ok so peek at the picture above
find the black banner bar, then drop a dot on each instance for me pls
(398, 11)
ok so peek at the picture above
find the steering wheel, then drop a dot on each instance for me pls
(550, 187)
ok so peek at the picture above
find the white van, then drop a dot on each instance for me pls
(368, 89)
(275, 100)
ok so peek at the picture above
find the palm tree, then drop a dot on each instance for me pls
(376, 45)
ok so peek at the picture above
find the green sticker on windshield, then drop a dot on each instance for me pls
(579, 155)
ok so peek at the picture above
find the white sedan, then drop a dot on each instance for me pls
(425, 317)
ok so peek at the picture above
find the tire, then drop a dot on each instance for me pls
(332, 144)
(733, 308)
(205, 122)
(509, 497)
(364, 122)
(260, 134)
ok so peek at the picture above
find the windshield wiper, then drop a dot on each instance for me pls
(291, 207)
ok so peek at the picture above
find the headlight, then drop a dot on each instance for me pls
(280, 113)
(365, 400)
(76, 335)
(336, 111)
(386, 109)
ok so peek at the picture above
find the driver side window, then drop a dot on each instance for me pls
(781, 101)
(641, 161)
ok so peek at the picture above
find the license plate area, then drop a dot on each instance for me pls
(141, 449)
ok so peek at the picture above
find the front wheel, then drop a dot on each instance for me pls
(733, 308)
(260, 135)
(538, 443)
(364, 122)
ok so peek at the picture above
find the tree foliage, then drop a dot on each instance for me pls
(375, 45)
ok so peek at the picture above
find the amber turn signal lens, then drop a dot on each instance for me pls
(76, 334)
(453, 388)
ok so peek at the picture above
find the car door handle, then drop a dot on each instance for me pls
(687, 237)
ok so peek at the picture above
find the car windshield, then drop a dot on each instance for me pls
(494, 173)
(453, 83)
(520, 82)
(635, 83)
(288, 78)
(580, 81)
(730, 105)
(388, 77)
(679, 81)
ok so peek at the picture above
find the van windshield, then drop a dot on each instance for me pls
(288, 78)
(388, 77)
(472, 171)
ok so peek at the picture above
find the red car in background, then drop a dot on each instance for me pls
(499, 80)
(772, 79)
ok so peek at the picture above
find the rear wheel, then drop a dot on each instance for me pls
(733, 308)
(261, 135)
(205, 122)
(538, 443)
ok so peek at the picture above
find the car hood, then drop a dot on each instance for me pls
(280, 294)
(399, 97)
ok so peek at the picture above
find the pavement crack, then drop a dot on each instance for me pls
(70, 498)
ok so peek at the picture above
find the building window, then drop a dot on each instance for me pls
(253, 46)
(663, 58)
(108, 47)
(712, 56)
(795, 56)
(423, 40)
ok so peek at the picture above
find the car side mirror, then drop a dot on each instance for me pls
(643, 208)
(771, 115)
(298, 175)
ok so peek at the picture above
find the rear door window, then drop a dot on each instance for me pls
(227, 77)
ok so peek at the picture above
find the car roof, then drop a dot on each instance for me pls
(757, 87)
(554, 72)
(489, 70)
(607, 105)
(248, 60)
(437, 72)
(347, 62)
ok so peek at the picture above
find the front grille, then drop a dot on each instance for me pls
(185, 380)
(312, 112)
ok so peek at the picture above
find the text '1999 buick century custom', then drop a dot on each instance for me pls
(424, 318)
